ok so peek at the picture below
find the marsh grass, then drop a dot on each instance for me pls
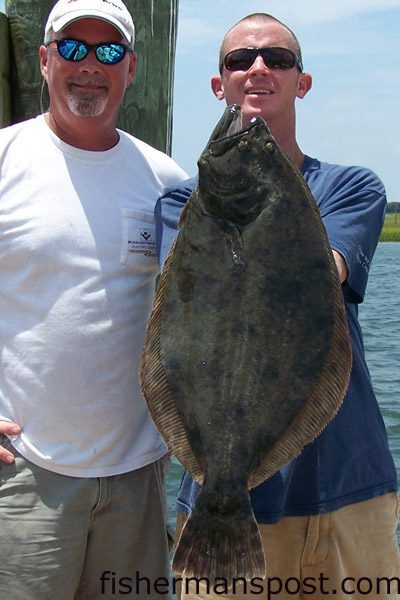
(391, 228)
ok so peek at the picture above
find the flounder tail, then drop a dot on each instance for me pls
(217, 542)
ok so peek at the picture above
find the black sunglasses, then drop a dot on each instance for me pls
(107, 53)
(274, 58)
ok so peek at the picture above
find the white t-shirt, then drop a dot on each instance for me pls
(77, 268)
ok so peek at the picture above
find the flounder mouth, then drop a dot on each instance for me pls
(234, 134)
(230, 129)
(230, 124)
(236, 124)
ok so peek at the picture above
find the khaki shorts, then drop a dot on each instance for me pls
(351, 553)
(67, 538)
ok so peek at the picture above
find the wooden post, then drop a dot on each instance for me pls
(147, 108)
(26, 18)
(5, 87)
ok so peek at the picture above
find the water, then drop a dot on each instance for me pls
(380, 321)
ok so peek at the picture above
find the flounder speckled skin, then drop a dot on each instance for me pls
(247, 355)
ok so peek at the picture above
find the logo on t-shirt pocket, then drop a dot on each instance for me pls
(138, 248)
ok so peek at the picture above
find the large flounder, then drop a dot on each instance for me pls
(247, 355)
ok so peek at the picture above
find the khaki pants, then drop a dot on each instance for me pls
(66, 538)
(348, 554)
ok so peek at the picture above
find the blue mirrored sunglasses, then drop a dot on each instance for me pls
(107, 53)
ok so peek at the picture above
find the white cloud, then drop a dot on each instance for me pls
(313, 11)
(308, 11)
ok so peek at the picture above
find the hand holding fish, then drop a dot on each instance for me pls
(341, 266)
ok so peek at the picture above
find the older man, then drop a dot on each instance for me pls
(82, 504)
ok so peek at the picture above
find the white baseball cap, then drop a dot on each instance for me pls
(112, 11)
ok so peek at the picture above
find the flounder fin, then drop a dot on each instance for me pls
(156, 390)
(182, 218)
(216, 545)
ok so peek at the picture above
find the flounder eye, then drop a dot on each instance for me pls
(270, 146)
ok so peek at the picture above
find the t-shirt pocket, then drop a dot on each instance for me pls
(138, 249)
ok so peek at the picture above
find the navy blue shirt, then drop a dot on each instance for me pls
(350, 460)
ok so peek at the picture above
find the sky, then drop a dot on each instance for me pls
(351, 47)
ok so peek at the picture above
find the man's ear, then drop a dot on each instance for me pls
(43, 61)
(132, 67)
(304, 84)
(217, 87)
